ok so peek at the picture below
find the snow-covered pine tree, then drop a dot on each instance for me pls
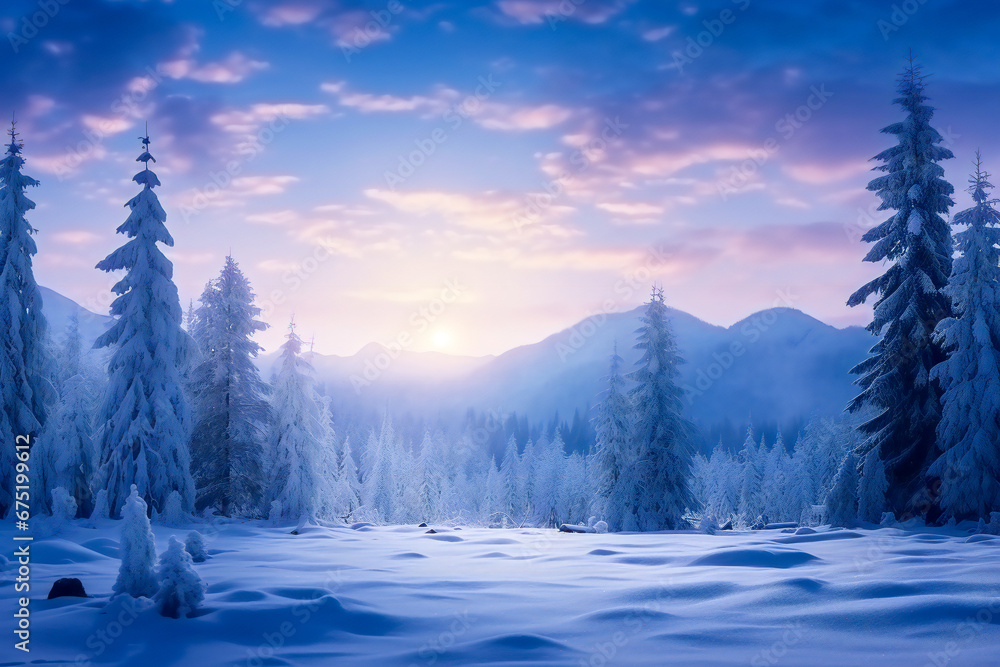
(969, 431)
(614, 457)
(842, 500)
(138, 550)
(296, 435)
(431, 479)
(194, 544)
(24, 364)
(144, 421)
(71, 432)
(526, 472)
(180, 589)
(661, 435)
(347, 491)
(872, 486)
(801, 489)
(775, 483)
(330, 466)
(380, 495)
(510, 465)
(491, 494)
(230, 400)
(751, 479)
(723, 486)
(548, 480)
(917, 245)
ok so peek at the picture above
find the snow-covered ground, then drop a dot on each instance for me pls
(470, 596)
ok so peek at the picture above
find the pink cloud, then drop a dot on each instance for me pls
(234, 69)
(533, 12)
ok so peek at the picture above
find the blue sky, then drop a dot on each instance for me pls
(470, 176)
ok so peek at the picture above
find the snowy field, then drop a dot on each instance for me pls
(470, 596)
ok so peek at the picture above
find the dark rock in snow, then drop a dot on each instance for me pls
(431, 532)
(67, 588)
(422, 525)
(727, 526)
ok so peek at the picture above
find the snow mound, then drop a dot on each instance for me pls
(755, 558)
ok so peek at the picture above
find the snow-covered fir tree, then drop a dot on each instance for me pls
(615, 461)
(799, 492)
(230, 399)
(510, 466)
(872, 486)
(137, 550)
(549, 472)
(379, 495)
(842, 499)
(751, 479)
(661, 435)
(180, 589)
(722, 487)
(347, 488)
(296, 440)
(24, 364)
(144, 421)
(194, 544)
(776, 467)
(969, 431)
(915, 242)
(432, 474)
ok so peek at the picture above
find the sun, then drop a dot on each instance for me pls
(441, 339)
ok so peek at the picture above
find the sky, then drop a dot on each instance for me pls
(472, 176)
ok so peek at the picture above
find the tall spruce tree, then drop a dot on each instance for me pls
(144, 421)
(613, 457)
(915, 241)
(296, 435)
(24, 364)
(969, 431)
(231, 408)
(661, 434)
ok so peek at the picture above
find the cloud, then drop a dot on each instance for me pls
(250, 119)
(291, 13)
(818, 174)
(507, 118)
(632, 209)
(484, 111)
(74, 236)
(534, 12)
(263, 185)
(234, 69)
